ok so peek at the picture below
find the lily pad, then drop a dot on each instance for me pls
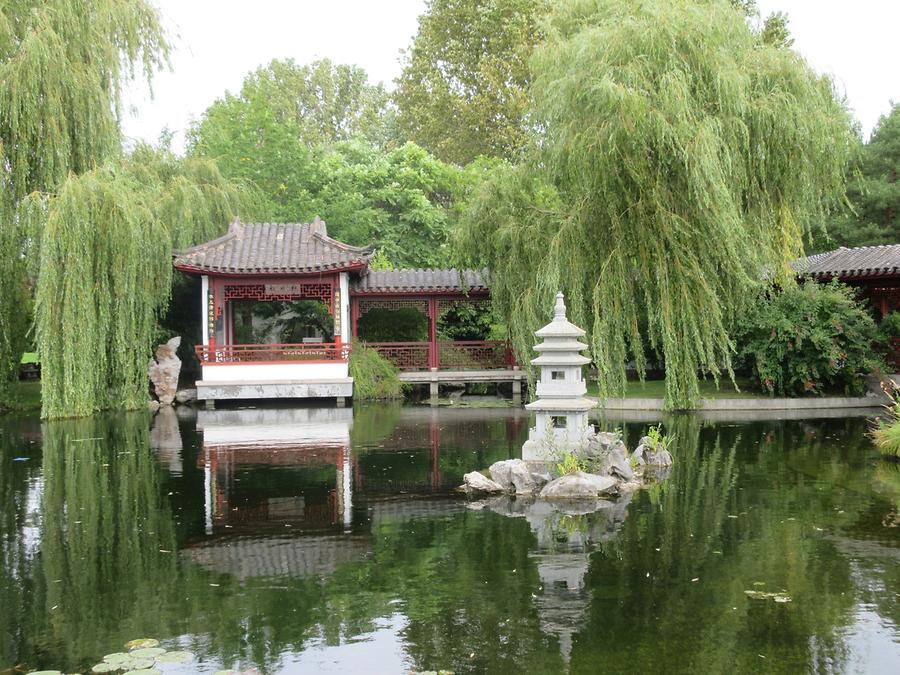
(116, 657)
(147, 652)
(141, 643)
(45, 672)
(175, 657)
(138, 664)
(106, 667)
(766, 595)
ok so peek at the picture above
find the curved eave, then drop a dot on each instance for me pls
(854, 275)
(192, 269)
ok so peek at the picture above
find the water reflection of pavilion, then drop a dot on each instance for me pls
(293, 438)
(285, 494)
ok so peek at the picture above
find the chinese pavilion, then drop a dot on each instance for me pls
(267, 262)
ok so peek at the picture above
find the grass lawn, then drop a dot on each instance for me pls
(657, 389)
(26, 396)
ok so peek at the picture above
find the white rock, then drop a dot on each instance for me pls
(661, 457)
(477, 482)
(165, 370)
(516, 475)
(579, 485)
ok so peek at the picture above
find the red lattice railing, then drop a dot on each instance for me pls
(458, 355)
(321, 351)
(405, 355)
(475, 355)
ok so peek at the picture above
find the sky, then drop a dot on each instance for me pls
(217, 42)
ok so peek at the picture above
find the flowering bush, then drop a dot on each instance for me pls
(808, 339)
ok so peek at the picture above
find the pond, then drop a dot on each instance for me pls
(331, 540)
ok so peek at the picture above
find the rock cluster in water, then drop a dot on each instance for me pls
(604, 467)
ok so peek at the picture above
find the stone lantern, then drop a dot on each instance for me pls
(561, 409)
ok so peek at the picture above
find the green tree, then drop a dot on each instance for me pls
(321, 102)
(402, 202)
(462, 92)
(874, 189)
(678, 157)
(106, 274)
(62, 67)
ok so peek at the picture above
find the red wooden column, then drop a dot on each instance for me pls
(354, 317)
(433, 356)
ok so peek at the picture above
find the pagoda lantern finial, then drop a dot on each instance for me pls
(559, 311)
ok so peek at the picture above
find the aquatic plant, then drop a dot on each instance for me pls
(658, 438)
(374, 377)
(570, 463)
(886, 432)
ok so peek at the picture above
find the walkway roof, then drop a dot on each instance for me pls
(852, 263)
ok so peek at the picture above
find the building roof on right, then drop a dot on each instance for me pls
(852, 263)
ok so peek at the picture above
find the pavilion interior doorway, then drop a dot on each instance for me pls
(280, 322)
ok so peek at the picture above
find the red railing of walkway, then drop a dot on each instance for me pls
(448, 355)
(319, 351)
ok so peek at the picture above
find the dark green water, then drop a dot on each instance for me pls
(329, 541)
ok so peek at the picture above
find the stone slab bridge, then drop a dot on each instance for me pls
(271, 263)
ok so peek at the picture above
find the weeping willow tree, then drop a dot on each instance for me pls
(106, 273)
(677, 160)
(62, 68)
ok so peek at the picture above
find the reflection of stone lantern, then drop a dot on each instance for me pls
(561, 409)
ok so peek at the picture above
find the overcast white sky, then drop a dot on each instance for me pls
(217, 42)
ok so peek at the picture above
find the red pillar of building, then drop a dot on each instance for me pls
(433, 356)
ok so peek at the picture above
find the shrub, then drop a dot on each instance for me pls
(890, 326)
(808, 339)
(374, 377)
(886, 432)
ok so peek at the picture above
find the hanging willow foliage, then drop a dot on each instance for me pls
(679, 158)
(62, 66)
(106, 272)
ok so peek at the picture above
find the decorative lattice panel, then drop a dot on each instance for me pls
(288, 291)
(405, 356)
(368, 304)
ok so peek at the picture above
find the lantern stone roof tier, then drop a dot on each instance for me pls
(567, 359)
(273, 249)
(553, 405)
(560, 345)
(418, 280)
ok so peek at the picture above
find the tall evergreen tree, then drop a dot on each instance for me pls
(873, 190)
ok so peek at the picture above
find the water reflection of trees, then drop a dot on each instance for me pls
(106, 565)
(728, 529)
(742, 505)
(19, 482)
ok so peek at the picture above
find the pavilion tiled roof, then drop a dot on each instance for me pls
(270, 248)
(421, 280)
(852, 263)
